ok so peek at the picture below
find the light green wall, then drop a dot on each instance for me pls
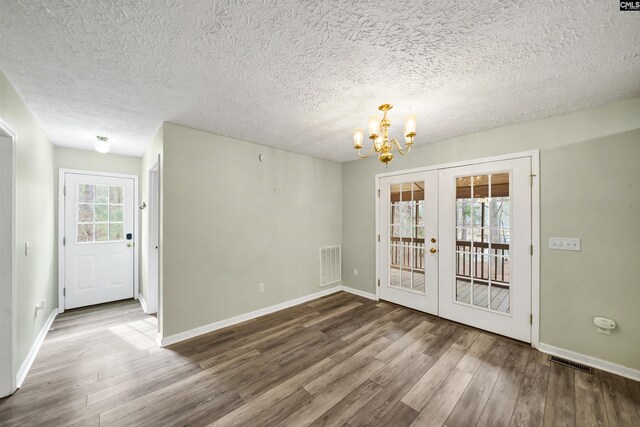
(69, 158)
(149, 159)
(34, 217)
(592, 190)
(590, 183)
(231, 222)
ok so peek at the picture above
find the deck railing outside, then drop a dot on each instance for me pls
(409, 252)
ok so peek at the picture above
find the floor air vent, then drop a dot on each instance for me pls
(571, 364)
(330, 265)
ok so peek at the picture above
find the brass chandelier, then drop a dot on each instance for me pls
(379, 134)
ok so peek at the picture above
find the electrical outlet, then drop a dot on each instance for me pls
(260, 287)
(41, 305)
(564, 243)
(355, 271)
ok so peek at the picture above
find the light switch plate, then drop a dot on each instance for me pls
(564, 243)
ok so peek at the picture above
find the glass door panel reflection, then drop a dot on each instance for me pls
(482, 241)
(407, 236)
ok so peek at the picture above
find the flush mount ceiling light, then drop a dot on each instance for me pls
(102, 145)
(379, 134)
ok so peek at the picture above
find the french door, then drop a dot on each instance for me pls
(98, 239)
(409, 226)
(455, 242)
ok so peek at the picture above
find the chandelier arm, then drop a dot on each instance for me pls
(400, 149)
(364, 157)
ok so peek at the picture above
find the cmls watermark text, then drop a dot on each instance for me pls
(629, 5)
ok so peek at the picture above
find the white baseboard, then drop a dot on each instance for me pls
(35, 348)
(603, 365)
(358, 292)
(172, 339)
(143, 303)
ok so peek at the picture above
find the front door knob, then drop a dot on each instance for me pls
(432, 250)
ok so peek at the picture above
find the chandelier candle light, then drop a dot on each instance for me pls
(379, 134)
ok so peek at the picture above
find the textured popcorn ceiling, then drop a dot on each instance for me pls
(300, 75)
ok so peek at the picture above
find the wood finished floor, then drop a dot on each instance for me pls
(337, 361)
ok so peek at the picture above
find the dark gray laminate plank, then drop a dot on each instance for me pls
(529, 409)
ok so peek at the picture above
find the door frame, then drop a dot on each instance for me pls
(534, 155)
(9, 294)
(61, 220)
(153, 238)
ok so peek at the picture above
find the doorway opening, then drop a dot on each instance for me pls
(153, 241)
(8, 278)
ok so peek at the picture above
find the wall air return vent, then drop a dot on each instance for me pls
(330, 265)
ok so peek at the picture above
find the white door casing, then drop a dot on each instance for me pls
(8, 286)
(415, 287)
(153, 240)
(98, 238)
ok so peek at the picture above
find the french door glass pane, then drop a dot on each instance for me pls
(406, 236)
(483, 232)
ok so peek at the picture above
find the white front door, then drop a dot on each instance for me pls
(408, 231)
(98, 239)
(485, 241)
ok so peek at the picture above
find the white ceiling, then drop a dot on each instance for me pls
(300, 75)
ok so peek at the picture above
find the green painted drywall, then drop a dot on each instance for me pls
(231, 222)
(34, 217)
(589, 188)
(70, 158)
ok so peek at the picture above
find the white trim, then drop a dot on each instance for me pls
(61, 219)
(153, 236)
(182, 336)
(143, 303)
(61, 250)
(510, 156)
(35, 348)
(11, 299)
(535, 241)
(535, 223)
(358, 292)
(603, 365)
(376, 197)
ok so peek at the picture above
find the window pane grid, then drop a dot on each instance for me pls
(100, 213)
(406, 231)
(482, 240)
